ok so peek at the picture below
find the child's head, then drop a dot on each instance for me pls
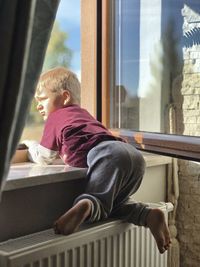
(56, 89)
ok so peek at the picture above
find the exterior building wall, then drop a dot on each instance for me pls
(188, 213)
(186, 90)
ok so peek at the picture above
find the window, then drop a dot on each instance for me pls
(63, 50)
(153, 82)
(150, 50)
(145, 117)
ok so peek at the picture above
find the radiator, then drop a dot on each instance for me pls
(108, 244)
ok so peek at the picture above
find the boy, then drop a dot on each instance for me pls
(115, 168)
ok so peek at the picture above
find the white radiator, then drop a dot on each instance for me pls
(110, 244)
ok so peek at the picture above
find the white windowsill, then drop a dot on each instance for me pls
(155, 160)
(28, 174)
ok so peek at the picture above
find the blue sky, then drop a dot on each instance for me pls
(68, 15)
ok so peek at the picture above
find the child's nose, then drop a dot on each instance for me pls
(39, 106)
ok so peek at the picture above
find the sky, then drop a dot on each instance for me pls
(68, 15)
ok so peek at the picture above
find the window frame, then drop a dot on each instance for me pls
(95, 79)
(89, 55)
(179, 146)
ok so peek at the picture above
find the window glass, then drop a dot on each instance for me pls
(63, 50)
(155, 84)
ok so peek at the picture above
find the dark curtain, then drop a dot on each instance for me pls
(25, 28)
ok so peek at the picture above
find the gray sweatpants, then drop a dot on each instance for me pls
(115, 171)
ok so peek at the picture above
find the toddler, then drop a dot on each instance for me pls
(115, 168)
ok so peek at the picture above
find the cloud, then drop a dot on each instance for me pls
(69, 10)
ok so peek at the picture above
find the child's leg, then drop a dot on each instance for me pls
(114, 173)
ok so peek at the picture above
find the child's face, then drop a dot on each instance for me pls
(48, 102)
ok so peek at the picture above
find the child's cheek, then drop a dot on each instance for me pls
(46, 105)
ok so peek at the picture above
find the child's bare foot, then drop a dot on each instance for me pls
(156, 223)
(69, 222)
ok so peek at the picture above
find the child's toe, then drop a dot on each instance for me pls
(55, 227)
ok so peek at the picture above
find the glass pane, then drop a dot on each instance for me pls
(155, 84)
(63, 50)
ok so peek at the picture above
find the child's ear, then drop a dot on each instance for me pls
(67, 97)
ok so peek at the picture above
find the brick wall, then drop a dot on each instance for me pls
(188, 213)
(187, 102)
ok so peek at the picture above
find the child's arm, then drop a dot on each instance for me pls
(32, 151)
(21, 155)
(40, 154)
(47, 150)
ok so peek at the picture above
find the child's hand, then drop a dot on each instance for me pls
(29, 143)
(21, 146)
(21, 155)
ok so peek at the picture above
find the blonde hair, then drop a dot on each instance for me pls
(58, 79)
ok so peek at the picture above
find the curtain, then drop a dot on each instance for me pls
(25, 28)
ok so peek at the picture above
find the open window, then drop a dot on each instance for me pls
(150, 76)
(64, 49)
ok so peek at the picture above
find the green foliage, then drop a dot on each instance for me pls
(34, 117)
(57, 54)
